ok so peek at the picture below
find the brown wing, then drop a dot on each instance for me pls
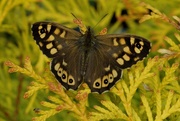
(52, 38)
(59, 42)
(110, 55)
(126, 49)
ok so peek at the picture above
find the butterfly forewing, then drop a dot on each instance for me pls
(96, 60)
(126, 49)
(52, 38)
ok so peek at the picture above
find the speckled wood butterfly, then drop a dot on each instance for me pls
(98, 60)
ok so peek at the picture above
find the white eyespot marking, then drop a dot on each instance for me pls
(59, 72)
(62, 35)
(48, 27)
(40, 44)
(136, 58)
(57, 31)
(71, 80)
(115, 43)
(59, 47)
(115, 55)
(132, 40)
(126, 57)
(49, 46)
(56, 67)
(122, 41)
(114, 73)
(107, 68)
(64, 76)
(120, 61)
(53, 51)
(97, 83)
(137, 50)
(64, 63)
(105, 81)
(42, 35)
(127, 50)
(110, 78)
(51, 38)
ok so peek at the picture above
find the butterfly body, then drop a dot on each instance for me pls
(97, 60)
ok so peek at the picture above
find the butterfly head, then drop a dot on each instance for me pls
(89, 31)
(88, 37)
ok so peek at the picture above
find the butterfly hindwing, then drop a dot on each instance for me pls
(66, 74)
(102, 71)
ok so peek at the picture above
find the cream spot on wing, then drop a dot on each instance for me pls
(64, 76)
(114, 72)
(122, 41)
(63, 34)
(105, 81)
(48, 27)
(107, 68)
(136, 58)
(110, 78)
(71, 80)
(51, 38)
(64, 63)
(49, 46)
(120, 61)
(79, 79)
(126, 57)
(137, 50)
(115, 55)
(115, 43)
(42, 35)
(142, 43)
(40, 44)
(57, 31)
(59, 72)
(132, 40)
(53, 51)
(56, 67)
(59, 47)
(127, 50)
(40, 27)
(97, 83)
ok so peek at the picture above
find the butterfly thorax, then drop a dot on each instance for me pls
(88, 39)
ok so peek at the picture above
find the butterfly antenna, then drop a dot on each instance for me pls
(76, 18)
(100, 20)
(80, 24)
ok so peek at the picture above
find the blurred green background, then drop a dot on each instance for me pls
(16, 42)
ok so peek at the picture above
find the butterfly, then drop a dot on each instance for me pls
(97, 60)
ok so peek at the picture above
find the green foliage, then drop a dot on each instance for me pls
(149, 90)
